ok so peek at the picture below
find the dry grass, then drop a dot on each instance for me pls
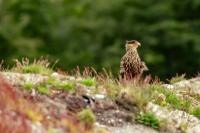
(40, 66)
(134, 97)
(1, 65)
(177, 78)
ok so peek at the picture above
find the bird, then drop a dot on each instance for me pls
(131, 66)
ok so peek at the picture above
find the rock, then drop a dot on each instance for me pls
(20, 79)
(99, 96)
(168, 86)
(75, 103)
(37, 128)
(194, 129)
(71, 78)
(132, 128)
(55, 74)
(175, 117)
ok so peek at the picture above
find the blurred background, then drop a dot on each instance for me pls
(93, 33)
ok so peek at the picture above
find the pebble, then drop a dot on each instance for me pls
(99, 96)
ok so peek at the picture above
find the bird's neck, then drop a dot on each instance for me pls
(131, 50)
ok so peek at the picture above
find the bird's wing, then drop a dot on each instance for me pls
(143, 66)
(122, 69)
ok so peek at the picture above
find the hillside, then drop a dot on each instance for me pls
(34, 98)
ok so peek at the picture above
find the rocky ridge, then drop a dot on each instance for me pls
(109, 115)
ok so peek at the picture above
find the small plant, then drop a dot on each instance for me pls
(160, 99)
(148, 119)
(177, 78)
(40, 66)
(172, 98)
(67, 86)
(196, 112)
(87, 116)
(34, 68)
(135, 95)
(110, 85)
(52, 81)
(43, 90)
(34, 116)
(88, 81)
(186, 105)
(28, 86)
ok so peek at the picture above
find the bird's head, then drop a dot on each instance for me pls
(133, 44)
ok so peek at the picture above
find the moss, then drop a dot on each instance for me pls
(43, 90)
(28, 86)
(196, 112)
(88, 81)
(52, 81)
(66, 85)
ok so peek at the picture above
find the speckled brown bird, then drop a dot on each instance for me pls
(131, 65)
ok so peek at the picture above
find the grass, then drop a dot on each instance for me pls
(177, 78)
(87, 117)
(148, 119)
(112, 90)
(107, 84)
(37, 69)
(135, 95)
(40, 66)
